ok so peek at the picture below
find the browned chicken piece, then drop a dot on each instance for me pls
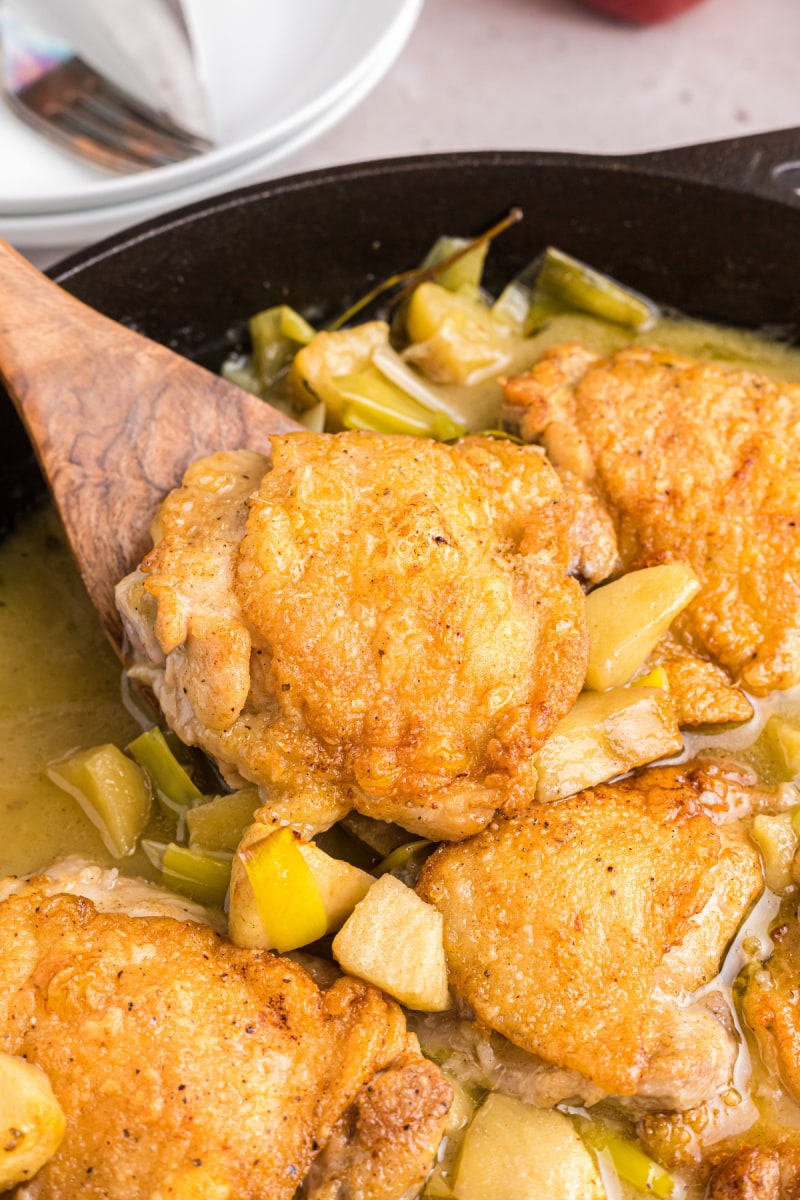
(700, 690)
(379, 623)
(770, 1004)
(696, 463)
(577, 929)
(768, 1172)
(187, 1068)
(728, 790)
(594, 542)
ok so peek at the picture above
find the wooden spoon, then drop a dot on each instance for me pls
(115, 420)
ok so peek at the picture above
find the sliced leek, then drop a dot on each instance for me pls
(458, 274)
(371, 402)
(277, 334)
(219, 823)
(287, 895)
(151, 751)
(202, 876)
(405, 861)
(579, 286)
(631, 1164)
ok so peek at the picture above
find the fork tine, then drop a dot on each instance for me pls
(80, 123)
(129, 125)
(160, 122)
(64, 98)
(74, 96)
(83, 146)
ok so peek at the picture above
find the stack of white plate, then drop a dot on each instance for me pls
(278, 75)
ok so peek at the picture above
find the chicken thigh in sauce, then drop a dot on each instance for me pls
(580, 930)
(380, 623)
(188, 1068)
(696, 463)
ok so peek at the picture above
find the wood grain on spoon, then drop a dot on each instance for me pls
(115, 420)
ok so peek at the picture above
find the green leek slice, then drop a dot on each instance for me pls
(169, 778)
(287, 895)
(577, 285)
(201, 876)
(630, 1162)
(277, 334)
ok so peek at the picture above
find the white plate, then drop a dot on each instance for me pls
(67, 230)
(273, 68)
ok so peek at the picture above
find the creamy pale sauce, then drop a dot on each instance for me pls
(59, 690)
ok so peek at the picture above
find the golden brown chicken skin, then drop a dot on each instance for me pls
(379, 623)
(696, 463)
(576, 929)
(187, 1068)
(759, 1172)
(770, 1004)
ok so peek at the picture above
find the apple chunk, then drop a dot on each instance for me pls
(394, 940)
(627, 617)
(513, 1151)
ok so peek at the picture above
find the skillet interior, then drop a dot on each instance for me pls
(318, 241)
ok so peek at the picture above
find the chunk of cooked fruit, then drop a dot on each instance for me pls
(339, 885)
(782, 737)
(112, 791)
(219, 823)
(454, 339)
(627, 617)
(606, 734)
(394, 940)
(777, 841)
(513, 1151)
(32, 1122)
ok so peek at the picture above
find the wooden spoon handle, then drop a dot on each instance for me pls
(115, 420)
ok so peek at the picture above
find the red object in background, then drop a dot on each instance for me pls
(643, 12)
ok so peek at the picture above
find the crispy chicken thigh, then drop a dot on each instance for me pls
(759, 1172)
(770, 1004)
(379, 623)
(579, 928)
(187, 1068)
(696, 463)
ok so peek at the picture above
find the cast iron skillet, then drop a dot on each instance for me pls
(713, 230)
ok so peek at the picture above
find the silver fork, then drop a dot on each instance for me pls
(73, 105)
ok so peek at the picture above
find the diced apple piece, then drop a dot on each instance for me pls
(513, 1151)
(340, 885)
(454, 339)
(32, 1122)
(606, 734)
(628, 617)
(394, 940)
(777, 841)
(219, 823)
(782, 738)
(112, 791)
(328, 355)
